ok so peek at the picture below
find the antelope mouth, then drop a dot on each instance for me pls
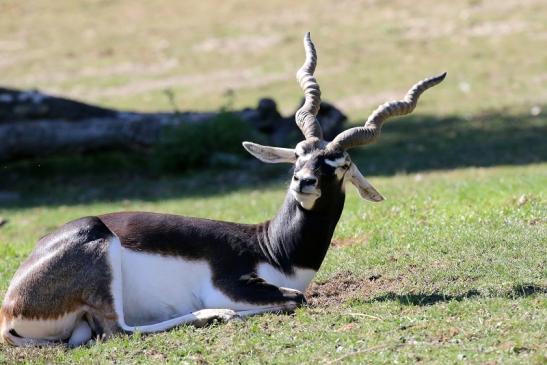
(306, 193)
(306, 199)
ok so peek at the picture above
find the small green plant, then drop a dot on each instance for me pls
(191, 145)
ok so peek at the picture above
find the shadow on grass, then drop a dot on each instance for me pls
(517, 291)
(411, 144)
(424, 142)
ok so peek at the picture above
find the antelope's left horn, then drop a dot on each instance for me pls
(305, 117)
(358, 136)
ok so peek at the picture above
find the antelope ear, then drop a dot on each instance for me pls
(366, 190)
(270, 154)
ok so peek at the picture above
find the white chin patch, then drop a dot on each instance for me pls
(306, 201)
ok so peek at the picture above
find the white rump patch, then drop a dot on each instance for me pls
(46, 329)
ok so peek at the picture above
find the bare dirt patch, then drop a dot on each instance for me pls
(346, 286)
(350, 241)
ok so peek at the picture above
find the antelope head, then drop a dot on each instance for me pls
(321, 167)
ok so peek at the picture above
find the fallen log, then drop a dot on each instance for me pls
(33, 124)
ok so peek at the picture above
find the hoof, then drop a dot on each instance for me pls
(226, 315)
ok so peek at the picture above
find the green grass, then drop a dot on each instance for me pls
(450, 268)
(461, 261)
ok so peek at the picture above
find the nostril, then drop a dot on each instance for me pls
(308, 181)
(295, 178)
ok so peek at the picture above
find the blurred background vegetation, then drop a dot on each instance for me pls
(125, 54)
(203, 56)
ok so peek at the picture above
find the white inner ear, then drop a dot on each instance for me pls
(270, 154)
(366, 190)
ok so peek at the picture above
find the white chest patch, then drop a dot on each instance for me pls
(299, 280)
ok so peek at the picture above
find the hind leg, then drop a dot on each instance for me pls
(80, 335)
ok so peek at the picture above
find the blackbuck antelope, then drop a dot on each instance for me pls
(148, 272)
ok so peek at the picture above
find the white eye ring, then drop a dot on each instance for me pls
(339, 162)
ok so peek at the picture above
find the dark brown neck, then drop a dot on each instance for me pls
(300, 238)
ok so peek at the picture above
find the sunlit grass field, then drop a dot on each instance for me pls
(450, 268)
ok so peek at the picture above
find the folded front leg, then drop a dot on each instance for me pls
(250, 292)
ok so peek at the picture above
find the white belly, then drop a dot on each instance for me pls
(150, 288)
(156, 288)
